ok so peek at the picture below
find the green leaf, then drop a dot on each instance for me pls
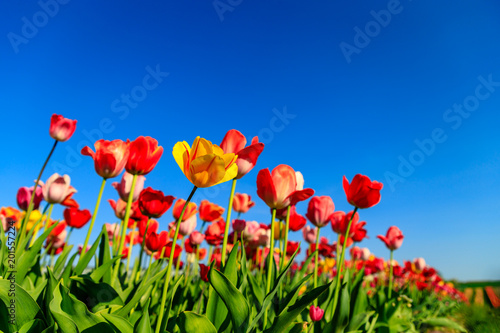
(359, 320)
(120, 324)
(62, 259)
(144, 324)
(97, 296)
(170, 299)
(66, 273)
(105, 255)
(190, 322)
(26, 309)
(235, 302)
(292, 295)
(300, 274)
(34, 326)
(444, 322)
(103, 270)
(290, 313)
(84, 261)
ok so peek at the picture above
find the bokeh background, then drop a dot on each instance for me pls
(406, 92)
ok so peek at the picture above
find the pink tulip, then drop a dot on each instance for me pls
(320, 210)
(124, 186)
(316, 313)
(250, 230)
(187, 226)
(419, 264)
(393, 239)
(61, 129)
(309, 234)
(57, 188)
(24, 197)
(196, 238)
(365, 253)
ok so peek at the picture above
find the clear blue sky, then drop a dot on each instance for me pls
(360, 83)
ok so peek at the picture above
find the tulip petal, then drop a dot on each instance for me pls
(247, 158)
(265, 188)
(284, 180)
(207, 170)
(231, 173)
(181, 155)
(233, 142)
(201, 147)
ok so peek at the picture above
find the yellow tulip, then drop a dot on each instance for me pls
(35, 216)
(279, 230)
(205, 164)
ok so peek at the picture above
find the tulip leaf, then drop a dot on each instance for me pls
(105, 255)
(231, 268)
(143, 325)
(235, 302)
(96, 295)
(302, 271)
(102, 270)
(30, 257)
(292, 295)
(49, 294)
(444, 322)
(215, 312)
(290, 313)
(359, 320)
(62, 259)
(341, 316)
(33, 326)
(85, 259)
(26, 309)
(120, 324)
(190, 322)
(170, 299)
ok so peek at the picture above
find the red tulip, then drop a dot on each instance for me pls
(125, 185)
(153, 226)
(358, 232)
(362, 192)
(144, 155)
(320, 210)
(214, 235)
(109, 157)
(296, 221)
(279, 188)
(204, 269)
(292, 247)
(191, 209)
(340, 221)
(234, 142)
(242, 202)
(153, 203)
(393, 239)
(196, 238)
(316, 313)
(24, 196)
(61, 129)
(119, 207)
(210, 212)
(155, 242)
(76, 218)
(239, 225)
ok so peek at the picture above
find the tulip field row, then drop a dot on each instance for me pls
(226, 274)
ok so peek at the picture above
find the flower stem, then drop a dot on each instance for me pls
(341, 263)
(228, 222)
(91, 226)
(131, 246)
(316, 259)
(142, 250)
(47, 220)
(287, 230)
(69, 234)
(124, 229)
(169, 267)
(149, 267)
(270, 257)
(390, 276)
(32, 200)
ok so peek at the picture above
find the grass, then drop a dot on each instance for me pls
(479, 319)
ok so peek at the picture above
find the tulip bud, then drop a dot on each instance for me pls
(316, 313)
(239, 225)
(196, 238)
(125, 185)
(419, 263)
(61, 129)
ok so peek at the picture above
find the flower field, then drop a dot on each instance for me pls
(227, 274)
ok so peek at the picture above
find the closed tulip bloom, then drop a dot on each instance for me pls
(113, 230)
(57, 235)
(250, 231)
(278, 189)
(153, 226)
(242, 202)
(57, 188)
(419, 264)
(109, 157)
(234, 142)
(119, 207)
(300, 180)
(61, 129)
(365, 253)
(155, 242)
(205, 164)
(144, 155)
(358, 232)
(393, 239)
(239, 225)
(320, 210)
(204, 269)
(35, 216)
(24, 196)
(297, 221)
(187, 226)
(196, 238)
(362, 192)
(76, 218)
(191, 209)
(309, 234)
(153, 203)
(214, 234)
(340, 221)
(316, 313)
(123, 187)
(292, 247)
(210, 212)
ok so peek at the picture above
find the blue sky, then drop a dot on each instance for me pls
(405, 92)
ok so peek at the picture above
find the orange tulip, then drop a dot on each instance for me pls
(234, 142)
(210, 212)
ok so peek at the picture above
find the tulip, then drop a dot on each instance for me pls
(144, 155)
(187, 227)
(155, 242)
(109, 158)
(393, 239)
(320, 210)
(204, 269)
(365, 253)
(191, 209)
(112, 230)
(296, 220)
(279, 230)
(419, 264)
(33, 222)
(57, 188)
(362, 192)
(309, 234)
(24, 195)
(153, 203)
(196, 238)
(234, 142)
(76, 218)
(356, 253)
(250, 230)
(239, 225)
(358, 232)
(292, 247)
(205, 164)
(214, 234)
(61, 129)
(242, 202)
(80, 248)
(119, 207)
(316, 313)
(340, 221)
(278, 189)
(153, 226)
(9, 215)
(124, 186)
(210, 212)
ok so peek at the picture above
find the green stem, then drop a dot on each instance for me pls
(341, 263)
(316, 259)
(270, 257)
(149, 267)
(228, 222)
(169, 267)
(32, 200)
(142, 250)
(69, 234)
(390, 276)
(201, 298)
(287, 230)
(47, 220)
(124, 229)
(131, 247)
(91, 226)
(202, 226)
